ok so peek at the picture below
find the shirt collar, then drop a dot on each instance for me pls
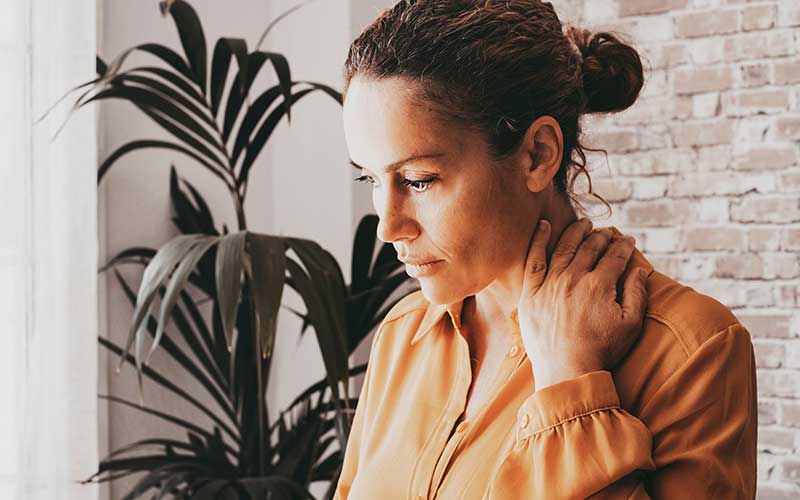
(435, 312)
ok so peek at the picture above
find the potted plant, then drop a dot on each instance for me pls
(241, 275)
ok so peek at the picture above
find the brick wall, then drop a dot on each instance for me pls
(704, 170)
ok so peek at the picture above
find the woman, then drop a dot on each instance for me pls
(547, 379)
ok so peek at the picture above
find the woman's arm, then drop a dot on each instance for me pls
(350, 460)
(695, 438)
(351, 455)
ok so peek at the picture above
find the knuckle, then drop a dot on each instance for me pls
(537, 267)
(597, 281)
(564, 249)
(594, 243)
(620, 255)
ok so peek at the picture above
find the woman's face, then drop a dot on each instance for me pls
(475, 217)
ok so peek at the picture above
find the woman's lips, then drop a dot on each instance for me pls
(423, 270)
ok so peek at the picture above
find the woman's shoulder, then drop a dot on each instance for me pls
(686, 334)
(690, 315)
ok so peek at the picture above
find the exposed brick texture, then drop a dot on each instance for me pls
(704, 170)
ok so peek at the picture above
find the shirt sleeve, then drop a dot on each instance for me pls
(695, 438)
(351, 457)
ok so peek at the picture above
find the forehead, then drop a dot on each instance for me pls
(383, 121)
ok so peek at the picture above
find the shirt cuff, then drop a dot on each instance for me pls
(552, 405)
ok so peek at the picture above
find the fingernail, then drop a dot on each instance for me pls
(543, 224)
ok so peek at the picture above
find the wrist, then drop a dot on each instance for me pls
(545, 378)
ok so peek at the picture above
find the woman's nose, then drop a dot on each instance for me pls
(396, 227)
(395, 222)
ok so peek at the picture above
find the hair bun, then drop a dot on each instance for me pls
(612, 70)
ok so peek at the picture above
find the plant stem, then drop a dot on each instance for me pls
(260, 385)
(237, 204)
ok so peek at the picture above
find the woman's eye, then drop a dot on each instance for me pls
(415, 184)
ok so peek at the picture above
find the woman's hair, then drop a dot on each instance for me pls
(496, 66)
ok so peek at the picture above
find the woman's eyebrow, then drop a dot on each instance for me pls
(394, 166)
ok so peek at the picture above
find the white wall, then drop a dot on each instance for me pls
(302, 185)
(48, 254)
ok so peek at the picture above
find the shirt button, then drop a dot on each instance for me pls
(523, 420)
(461, 427)
(513, 351)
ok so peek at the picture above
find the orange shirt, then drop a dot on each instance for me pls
(676, 419)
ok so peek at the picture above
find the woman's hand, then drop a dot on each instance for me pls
(570, 320)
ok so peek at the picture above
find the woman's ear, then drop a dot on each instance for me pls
(542, 149)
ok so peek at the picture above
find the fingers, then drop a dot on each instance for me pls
(615, 259)
(634, 297)
(590, 250)
(536, 260)
(568, 244)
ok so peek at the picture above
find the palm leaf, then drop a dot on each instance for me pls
(224, 50)
(190, 31)
(176, 284)
(229, 279)
(154, 144)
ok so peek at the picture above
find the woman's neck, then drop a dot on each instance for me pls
(494, 304)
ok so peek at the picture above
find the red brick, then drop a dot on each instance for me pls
(792, 353)
(754, 74)
(767, 412)
(702, 133)
(790, 238)
(767, 325)
(758, 17)
(646, 110)
(662, 240)
(791, 470)
(766, 157)
(612, 140)
(665, 55)
(763, 239)
(612, 189)
(713, 158)
(788, 14)
(648, 188)
(778, 383)
(787, 127)
(789, 181)
(637, 7)
(770, 208)
(787, 72)
(774, 491)
(656, 213)
(694, 80)
(768, 354)
(776, 440)
(790, 414)
(719, 183)
(787, 295)
(707, 23)
(756, 101)
(743, 266)
(652, 29)
(714, 238)
(759, 45)
(781, 265)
